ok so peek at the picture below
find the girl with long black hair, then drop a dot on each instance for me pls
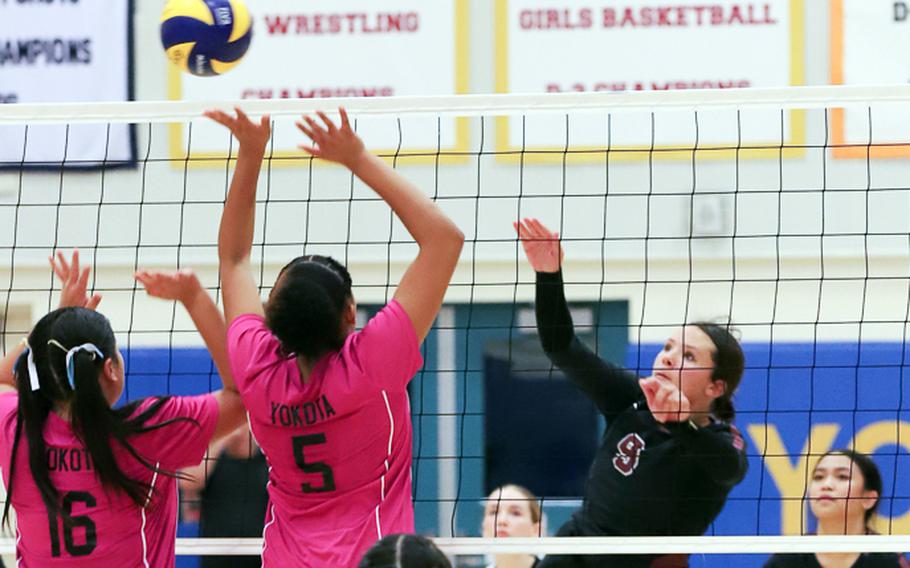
(93, 484)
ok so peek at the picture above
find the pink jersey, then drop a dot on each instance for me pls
(107, 528)
(339, 446)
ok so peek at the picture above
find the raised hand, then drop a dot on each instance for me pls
(74, 282)
(248, 133)
(541, 246)
(330, 142)
(665, 401)
(181, 285)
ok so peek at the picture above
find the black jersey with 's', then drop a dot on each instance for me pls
(647, 478)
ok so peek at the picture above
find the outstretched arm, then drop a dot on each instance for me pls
(235, 235)
(541, 245)
(610, 387)
(73, 293)
(424, 284)
(542, 248)
(184, 286)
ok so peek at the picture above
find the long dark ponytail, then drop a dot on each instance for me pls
(95, 423)
(729, 364)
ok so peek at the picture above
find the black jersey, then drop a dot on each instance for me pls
(647, 478)
(870, 560)
(233, 505)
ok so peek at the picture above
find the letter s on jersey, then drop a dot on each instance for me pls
(629, 451)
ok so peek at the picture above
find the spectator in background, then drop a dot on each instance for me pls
(512, 510)
(231, 494)
(843, 494)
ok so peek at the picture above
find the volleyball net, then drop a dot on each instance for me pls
(786, 212)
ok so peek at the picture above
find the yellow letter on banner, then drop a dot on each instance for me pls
(791, 478)
(870, 439)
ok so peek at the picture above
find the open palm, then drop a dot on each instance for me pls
(541, 245)
(330, 141)
(248, 132)
(74, 282)
(180, 285)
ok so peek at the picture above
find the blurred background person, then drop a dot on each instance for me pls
(843, 494)
(229, 491)
(512, 510)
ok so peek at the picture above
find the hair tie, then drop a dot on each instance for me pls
(90, 347)
(32, 369)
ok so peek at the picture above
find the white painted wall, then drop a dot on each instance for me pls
(162, 213)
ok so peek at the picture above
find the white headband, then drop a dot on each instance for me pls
(32, 370)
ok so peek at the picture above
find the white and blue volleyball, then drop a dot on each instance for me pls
(206, 37)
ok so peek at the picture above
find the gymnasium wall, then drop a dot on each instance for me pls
(817, 377)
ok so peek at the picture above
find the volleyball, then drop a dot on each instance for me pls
(206, 37)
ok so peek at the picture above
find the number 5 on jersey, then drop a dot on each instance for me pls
(328, 478)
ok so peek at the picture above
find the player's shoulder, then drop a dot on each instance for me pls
(156, 409)
(246, 325)
(388, 335)
(390, 318)
(730, 430)
(9, 397)
(9, 403)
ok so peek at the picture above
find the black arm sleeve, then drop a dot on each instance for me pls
(720, 448)
(611, 388)
(554, 322)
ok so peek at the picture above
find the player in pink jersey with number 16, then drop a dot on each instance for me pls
(93, 484)
(328, 405)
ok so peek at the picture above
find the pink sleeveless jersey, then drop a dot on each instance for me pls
(338, 447)
(107, 528)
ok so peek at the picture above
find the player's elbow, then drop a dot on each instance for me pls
(231, 271)
(457, 235)
(449, 241)
(229, 256)
(233, 244)
(730, 472)
(555, 339)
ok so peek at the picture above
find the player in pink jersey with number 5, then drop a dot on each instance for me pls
(93, 484)
(329, 405)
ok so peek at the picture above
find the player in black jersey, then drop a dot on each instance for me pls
(843, 495)
(670, 453)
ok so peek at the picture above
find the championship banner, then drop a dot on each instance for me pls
(69, 51)
(867, 38)
(341, 48)
(616, 46)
